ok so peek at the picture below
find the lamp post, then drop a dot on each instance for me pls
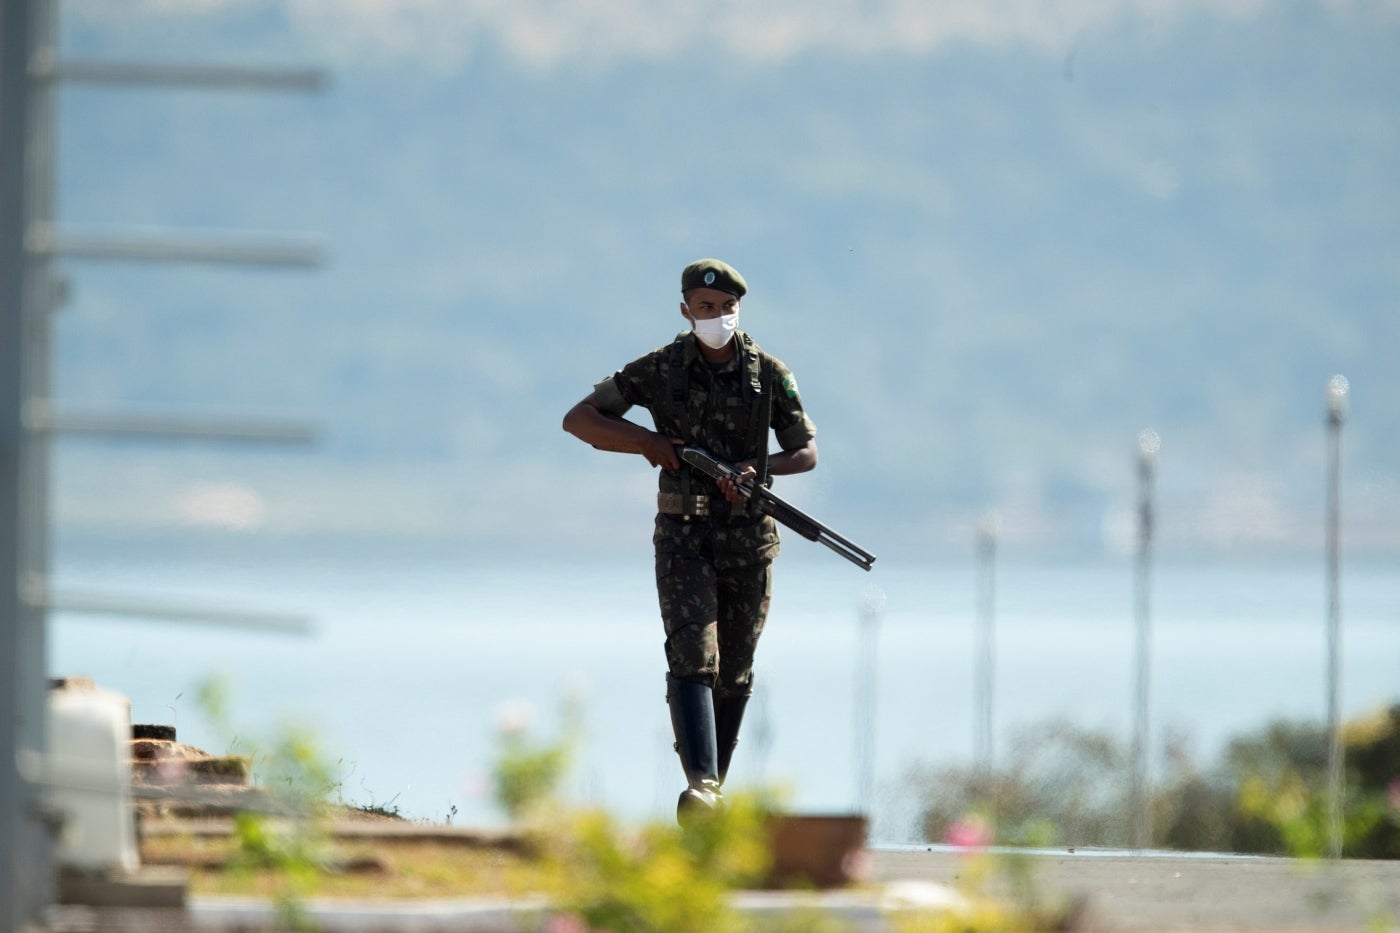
(985, 659)
(26, 300)
(871, 605)
(1148, 446)
(1337, 389)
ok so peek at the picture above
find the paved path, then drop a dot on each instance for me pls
(1174, 892)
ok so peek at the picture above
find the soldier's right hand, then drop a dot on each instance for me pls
(660, 451)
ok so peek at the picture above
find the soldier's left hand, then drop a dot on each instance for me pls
(747, 474)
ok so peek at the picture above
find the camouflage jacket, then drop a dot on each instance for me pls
(718, 410)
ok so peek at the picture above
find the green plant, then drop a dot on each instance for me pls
(1262, 796)
(1299, 813)
(660, 878)
(1073, 779)
(387, 809)
(291, 850)
(294, 767)
(292, 857)
(527, 773)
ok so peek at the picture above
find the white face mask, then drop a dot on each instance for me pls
(715, 332)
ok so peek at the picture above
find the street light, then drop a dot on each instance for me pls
(1148, 446)
(983, 742)
(1337, 389)
(871, 605)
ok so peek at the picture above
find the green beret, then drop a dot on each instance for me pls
(711, 273)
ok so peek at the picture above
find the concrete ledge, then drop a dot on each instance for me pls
(147, 887)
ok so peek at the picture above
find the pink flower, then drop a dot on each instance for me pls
(970, 832)
(566, 923)
(1392, 794)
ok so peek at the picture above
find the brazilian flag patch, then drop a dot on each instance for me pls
(790, 386)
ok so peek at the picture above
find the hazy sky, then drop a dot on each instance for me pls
(547, 34)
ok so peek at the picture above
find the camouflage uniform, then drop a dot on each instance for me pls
(713, 573)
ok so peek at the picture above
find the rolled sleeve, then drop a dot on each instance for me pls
(797, 434)
(609, 397)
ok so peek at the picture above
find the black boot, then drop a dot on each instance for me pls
(729, 713)
(693, 720)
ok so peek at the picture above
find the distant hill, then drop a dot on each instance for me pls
(989, 268)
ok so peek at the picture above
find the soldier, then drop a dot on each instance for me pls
(712, 387)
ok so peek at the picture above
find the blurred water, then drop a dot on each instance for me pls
(414, 660)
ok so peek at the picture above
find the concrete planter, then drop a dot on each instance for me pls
(819, 851)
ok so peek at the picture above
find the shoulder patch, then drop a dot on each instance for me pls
(790, 385)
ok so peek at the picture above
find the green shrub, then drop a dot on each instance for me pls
(528, 772)
(1266, 795)
(660, 878)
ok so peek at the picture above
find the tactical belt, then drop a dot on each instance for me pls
(678, 505)
(674, 503)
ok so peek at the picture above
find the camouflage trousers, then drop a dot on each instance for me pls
(714, 588)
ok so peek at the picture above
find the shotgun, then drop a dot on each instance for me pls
(770, 504)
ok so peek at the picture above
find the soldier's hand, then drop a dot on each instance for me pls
(730, 488)
(660, 451)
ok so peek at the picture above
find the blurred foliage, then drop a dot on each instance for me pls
(1266, 795)
(295, 768)
(1061, 785)
(294, 857)
(1000, 889)
(1373, 762)
(660, 877)
(292, 847)
(528, 772)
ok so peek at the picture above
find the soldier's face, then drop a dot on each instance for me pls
(708, 303)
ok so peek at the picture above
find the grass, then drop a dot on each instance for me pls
(395, 869)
